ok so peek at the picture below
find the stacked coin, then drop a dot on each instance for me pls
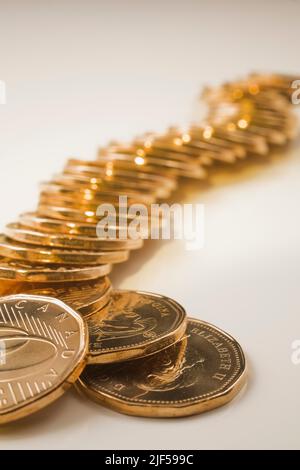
(145, 357)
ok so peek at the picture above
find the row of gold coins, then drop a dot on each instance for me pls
(56, 252)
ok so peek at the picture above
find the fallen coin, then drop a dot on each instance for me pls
(203, 371)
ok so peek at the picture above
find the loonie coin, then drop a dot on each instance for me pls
(146, 147)
(73, 242)
(134, 324)
(89, 215)
(112, 205)
(203, 371)
(196, 147)
(111, 158)
(183, 147)
(43, 351)
(40, 254)
(92, 178)
(48, 225)
(110, 169)
(71, 214)
(196, 136)
(86, 297)
(254, 144)
(204, 135)
(80, 194)
(21, 271)
(156, 164)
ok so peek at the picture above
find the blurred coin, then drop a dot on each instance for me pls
(40, 254)
(88, 195)
(110, 169)
(253, 144)
(43, 351)
(89, 178)
(89, 215)
(157, 163)
(73, 242)
(185, 148)
(134, 324)
(113, 205)
(22, 271)
(48, 225)
(86, 297)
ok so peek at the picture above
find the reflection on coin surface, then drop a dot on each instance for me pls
(203, 371)
(86, 297)
(134, 324)
(43, 345)
(21, 271)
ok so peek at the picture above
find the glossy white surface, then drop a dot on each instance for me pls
(79, 75)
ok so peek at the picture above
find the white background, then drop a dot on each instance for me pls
(80, 73)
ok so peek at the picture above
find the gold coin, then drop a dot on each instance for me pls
(201, 134)
(192, 147)
(252, 144)
(203, 371)
(86, 214)
(40, 254)
(206, 144)
(156, 164)
(71, 214)
(148, 147)
(197, 153)
(43, 350)
(86, 297)
(91, 196)
(196, 149)
(111, 160)
(48, 225)
(113, 205)
(73, 242)
(18, 271)
(90, 179)
(111, 170)
(134, 324)
(272, 136)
